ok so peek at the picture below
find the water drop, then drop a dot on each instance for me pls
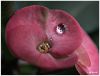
(60, 29)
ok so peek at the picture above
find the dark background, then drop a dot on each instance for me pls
(86, 12)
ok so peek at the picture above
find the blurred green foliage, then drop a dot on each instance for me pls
(86, 12)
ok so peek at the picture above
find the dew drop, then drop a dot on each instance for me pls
(60, 29)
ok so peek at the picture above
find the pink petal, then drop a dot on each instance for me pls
(88, 62)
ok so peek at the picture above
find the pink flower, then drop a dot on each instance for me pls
(51, 39)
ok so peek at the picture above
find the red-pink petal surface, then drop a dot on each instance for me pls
(88, 62)
(66, 43)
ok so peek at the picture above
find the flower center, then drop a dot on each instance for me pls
(44, 47)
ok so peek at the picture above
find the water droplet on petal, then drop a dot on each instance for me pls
(60, 29)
